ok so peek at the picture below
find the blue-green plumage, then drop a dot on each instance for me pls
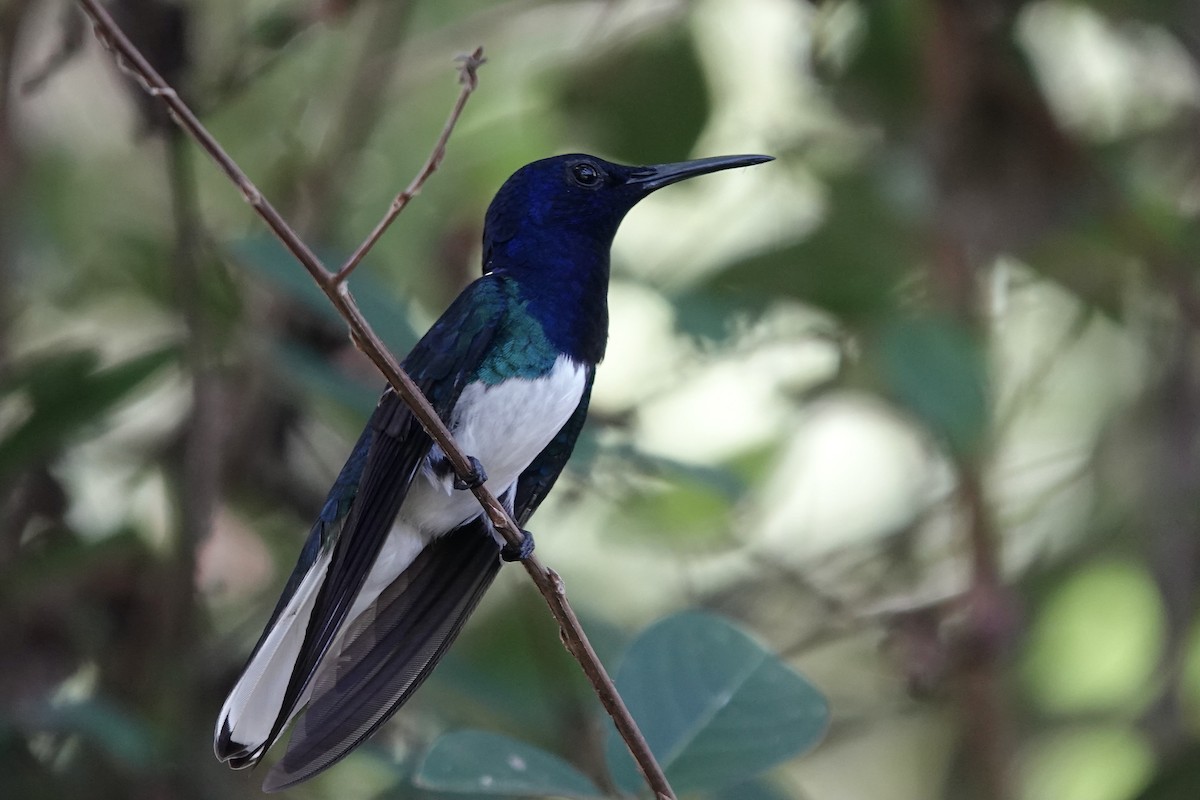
(398, 558)
(521, 349)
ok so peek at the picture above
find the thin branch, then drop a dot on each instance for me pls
(468, 77)
(990, 628)
(334, 287)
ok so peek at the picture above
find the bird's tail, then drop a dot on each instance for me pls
(388, 650)
(244, 727)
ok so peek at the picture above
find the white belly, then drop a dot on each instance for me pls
(505, 427)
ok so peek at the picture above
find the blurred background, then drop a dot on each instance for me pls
(918, 404)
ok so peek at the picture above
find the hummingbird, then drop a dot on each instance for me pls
(401, 552)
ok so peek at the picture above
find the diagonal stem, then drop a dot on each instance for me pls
(130, 60)
(470, 81)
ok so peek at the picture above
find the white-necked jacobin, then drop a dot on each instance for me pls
(400, 553)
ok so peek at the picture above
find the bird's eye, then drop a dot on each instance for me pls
(586, 174)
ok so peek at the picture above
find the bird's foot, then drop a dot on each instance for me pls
(518, 552)
(474, 479)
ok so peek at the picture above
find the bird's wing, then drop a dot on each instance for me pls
(354, 524)
(325, 530)
(390, 650)
(538, 478)
(440, 364)
(254, 704)
(394, 645)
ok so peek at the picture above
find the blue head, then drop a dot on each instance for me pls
(551, 227)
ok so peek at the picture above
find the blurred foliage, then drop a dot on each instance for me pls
(715, 707)
(914, 406)
(483, 764)
(62, 393)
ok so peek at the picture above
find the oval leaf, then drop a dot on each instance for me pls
(715, 707)
(488, 765)
(937, 370)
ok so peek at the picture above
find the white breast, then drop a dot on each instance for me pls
(504, 426)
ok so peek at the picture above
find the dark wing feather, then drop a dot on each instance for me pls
(539, 477)
(440, 365)
(323, 532)
(394, 646)
(333, 512)
(390, 651)
(391, 464)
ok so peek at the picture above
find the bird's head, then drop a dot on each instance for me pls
(578, 201)
(551, 227)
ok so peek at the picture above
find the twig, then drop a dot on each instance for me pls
(974, 43)
(990, 629)
(469, 64)
(334, 287)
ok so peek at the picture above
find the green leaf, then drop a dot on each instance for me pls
(715, 707)
(483, 764)
(711, 316)
(935, 369)
(497, 670)
(48, 375)
(67, 392)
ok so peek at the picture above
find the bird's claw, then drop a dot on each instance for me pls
(518, 552)
(474, 479)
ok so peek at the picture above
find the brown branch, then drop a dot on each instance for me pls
(967, 67)
(991, 626)
(335, 288)
(469, 65)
